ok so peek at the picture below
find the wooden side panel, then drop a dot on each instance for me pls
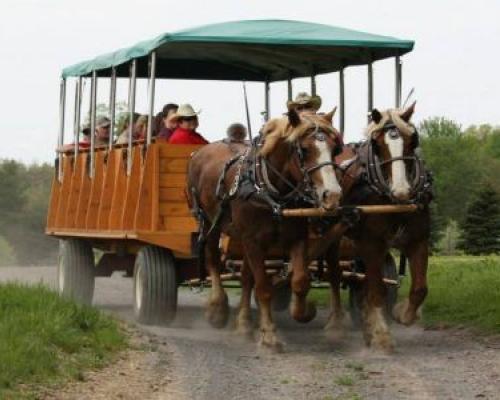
(95, 191)
(145, 216)
(84, 198)
(177, 150)
(169, 180)
(172, 194)
(74, 195)
(175, 165)
(62, 207)
(180, 224)
(119, 192)
(133, 189)
(107, 191)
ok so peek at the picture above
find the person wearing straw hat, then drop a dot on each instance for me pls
(185, 133)
(304, 104)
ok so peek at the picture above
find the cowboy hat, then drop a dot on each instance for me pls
(303, 99)
(185, 111)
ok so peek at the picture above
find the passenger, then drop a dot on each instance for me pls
(102, 131)
(123, 125)
(305, 104)
(236, 133)
(140, 128)
(157, 124)
(169, 125)
(185, 133)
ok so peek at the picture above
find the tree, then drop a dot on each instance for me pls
(440, 127)
(481, 228)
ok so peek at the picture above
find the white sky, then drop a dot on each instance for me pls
(454, 67)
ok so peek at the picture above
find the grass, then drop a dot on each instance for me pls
(463, 291)
(344, 380)
(46, 340)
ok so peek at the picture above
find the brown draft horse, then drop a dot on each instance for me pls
(292, 165)
(388, 170)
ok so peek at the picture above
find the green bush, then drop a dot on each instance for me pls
(7, 256)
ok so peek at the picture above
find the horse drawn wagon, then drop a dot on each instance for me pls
(129, 201)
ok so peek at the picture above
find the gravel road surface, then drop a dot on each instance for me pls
(190, 360)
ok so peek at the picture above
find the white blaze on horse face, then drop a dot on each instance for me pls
(330, 183)
(399, 184)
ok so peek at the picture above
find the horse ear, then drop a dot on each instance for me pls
(376, 116)
(329, 116)
(406, 115)
(293, 117)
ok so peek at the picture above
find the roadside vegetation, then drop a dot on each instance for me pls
(46, 340)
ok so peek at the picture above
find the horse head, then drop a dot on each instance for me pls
(311, 144)
(394, 166)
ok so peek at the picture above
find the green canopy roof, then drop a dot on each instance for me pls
(257, 50)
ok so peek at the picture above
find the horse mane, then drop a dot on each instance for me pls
(393, 115)
(278, 129)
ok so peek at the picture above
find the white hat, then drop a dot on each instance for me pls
(185, 111)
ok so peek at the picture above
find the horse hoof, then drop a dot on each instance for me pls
(273, 345)
(401, 314)
(307, 316)
(244, 328)
(383, 342)
(217, 313)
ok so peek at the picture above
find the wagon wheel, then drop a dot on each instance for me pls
(282, 296)
(76, 270)
(356, 292)
(155, 286)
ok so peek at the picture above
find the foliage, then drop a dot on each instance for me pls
(7, 256)
(481, 228)
(449, 240)
(44, 338)
(24, 196)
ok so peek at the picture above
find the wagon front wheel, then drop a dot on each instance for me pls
(76, 270)
(155, 286)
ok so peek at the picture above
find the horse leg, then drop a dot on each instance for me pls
(263, 292)
(217, 312)
(375, 329)
(336, 318)
(301, 310)
(408, 311)
(244, 321)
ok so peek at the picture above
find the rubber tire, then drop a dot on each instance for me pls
(76, 270)
(155, 286)
(282, 297)
(389, 271)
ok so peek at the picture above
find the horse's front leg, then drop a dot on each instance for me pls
(375, 329)
(300, 309)
(408, 311)
(336, 318)
(217, 312)
(255, 256)
(244, 320)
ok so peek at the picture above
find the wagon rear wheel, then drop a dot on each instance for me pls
(281, 297)
(76, 270)
(155, 286)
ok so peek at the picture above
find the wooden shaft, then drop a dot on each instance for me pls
(371, 209)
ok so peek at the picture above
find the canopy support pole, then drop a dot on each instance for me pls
(112, 106)
(398, 85)
(370, 89)
(313, 85)
(152, 78)
(290, 89)
(76, 125)
(341, 102)
(93, 100)
(60, 140)
(267, 89)
(131, 106)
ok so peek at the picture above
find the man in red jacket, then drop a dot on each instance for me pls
(185, 133)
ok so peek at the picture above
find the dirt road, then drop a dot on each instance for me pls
(190, 360)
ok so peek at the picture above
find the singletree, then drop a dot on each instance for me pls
(481, 227)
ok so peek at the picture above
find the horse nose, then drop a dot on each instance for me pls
(330, 200)
(402, 195)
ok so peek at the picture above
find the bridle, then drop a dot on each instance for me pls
(303, 191)
(420, 186)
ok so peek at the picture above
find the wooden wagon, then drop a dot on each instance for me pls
(124, 205)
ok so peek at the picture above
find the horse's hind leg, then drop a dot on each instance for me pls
(217, 312)
(244, 320)
(375, 329)
(263, 291)
(335, 322)
(407, 311)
